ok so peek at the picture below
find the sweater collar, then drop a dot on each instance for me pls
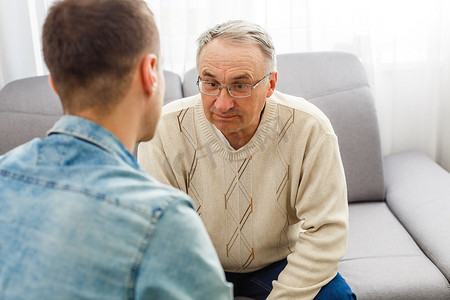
(265, 132)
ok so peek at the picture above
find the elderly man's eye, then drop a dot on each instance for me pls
(240, 86)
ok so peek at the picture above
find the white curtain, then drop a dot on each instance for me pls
(403, 44)
(20, 38)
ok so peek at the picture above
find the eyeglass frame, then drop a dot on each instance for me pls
(228, 87)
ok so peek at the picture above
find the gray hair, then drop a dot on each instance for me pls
(238, 32)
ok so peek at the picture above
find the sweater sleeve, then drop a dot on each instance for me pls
(322, 208)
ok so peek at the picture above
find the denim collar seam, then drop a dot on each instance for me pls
(72, 188)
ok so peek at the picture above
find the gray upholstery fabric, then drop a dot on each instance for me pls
(173, 88)
(335, 82)
(28, 108)
(418, 193)
(383, 261)
(189, 83)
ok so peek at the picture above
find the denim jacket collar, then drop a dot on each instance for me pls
(92, 132)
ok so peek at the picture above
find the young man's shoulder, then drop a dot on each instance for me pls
(85, 171)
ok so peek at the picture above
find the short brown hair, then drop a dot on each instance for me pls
(91, 46)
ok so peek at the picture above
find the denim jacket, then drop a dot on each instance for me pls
(80, 219)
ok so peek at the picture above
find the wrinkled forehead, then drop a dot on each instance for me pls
(226, 61)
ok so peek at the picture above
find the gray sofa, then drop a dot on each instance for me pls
(399, 239)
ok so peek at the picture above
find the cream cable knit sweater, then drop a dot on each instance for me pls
(281, 195)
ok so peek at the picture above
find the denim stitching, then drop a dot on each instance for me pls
(71, 188)
(131, 289)
(157, 213)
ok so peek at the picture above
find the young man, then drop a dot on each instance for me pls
(79, 219)
(263, 168)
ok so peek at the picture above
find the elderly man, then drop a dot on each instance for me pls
(79, 219)
(263, 168)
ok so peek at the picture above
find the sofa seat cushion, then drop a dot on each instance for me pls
(384, 262)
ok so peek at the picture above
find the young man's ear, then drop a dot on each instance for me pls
(149, 73)
(50, 81)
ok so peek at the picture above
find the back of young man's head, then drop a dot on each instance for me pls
(91, 47)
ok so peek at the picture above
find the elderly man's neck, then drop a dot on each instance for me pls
(238, 141)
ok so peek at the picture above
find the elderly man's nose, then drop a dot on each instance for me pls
(224, 101)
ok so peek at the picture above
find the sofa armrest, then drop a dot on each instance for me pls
(418, 193)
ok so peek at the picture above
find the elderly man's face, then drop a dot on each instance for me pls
(222, 63)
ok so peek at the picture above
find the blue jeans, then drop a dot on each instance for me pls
(258, 285)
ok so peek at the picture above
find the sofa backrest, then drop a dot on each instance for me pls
(173, 89)
(29, 108)
(335, 82)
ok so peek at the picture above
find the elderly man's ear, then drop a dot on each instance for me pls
(272, 84)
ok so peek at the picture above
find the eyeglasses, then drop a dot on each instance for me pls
(236, 90)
